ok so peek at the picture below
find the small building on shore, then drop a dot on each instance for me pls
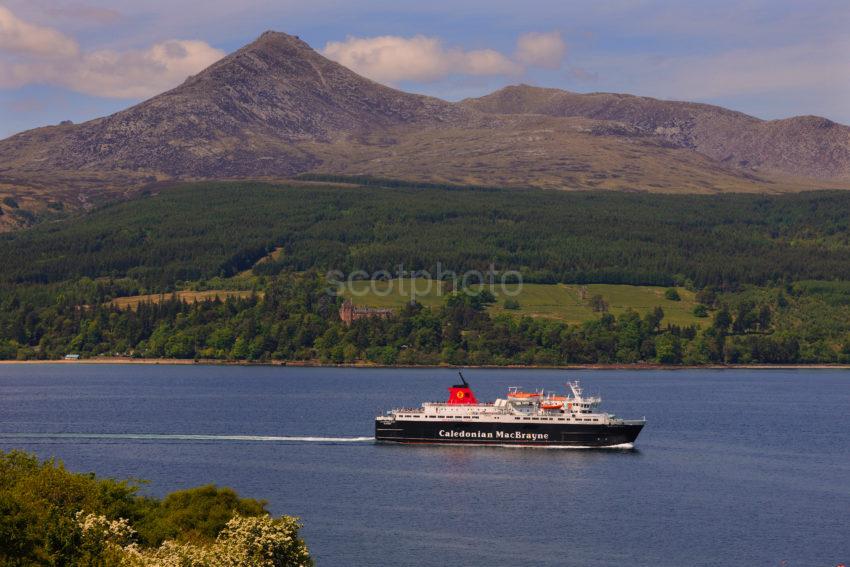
(350, 313)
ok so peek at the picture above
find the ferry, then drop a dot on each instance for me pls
(521, 418)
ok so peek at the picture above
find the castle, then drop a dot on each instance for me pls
(349, 313)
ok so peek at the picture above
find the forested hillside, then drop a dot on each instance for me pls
(766, 275)
(204, 230)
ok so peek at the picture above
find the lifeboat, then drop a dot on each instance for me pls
(551, 405)
(524, 395)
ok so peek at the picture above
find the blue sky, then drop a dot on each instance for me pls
(80, 59)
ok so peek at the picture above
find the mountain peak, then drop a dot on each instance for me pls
(241, 117)
(276, 39)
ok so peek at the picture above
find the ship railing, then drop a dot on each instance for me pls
(445, 403)
(620, 421)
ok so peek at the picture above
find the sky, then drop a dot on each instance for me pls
(80, 59)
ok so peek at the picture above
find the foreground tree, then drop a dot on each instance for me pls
(50, 516)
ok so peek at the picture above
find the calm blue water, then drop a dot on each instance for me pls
(734, 468)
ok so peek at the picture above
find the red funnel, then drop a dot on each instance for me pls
(461, 395)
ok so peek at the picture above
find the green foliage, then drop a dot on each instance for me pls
(671, 294)
(195, 515)
(772, 270)
(833, 292)
(707, 297)
(41, 502)
(297, 319)
(700, 310)
(720, 241)
(511, 303)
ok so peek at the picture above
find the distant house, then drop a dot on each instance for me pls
(349, 313)
(72, 357)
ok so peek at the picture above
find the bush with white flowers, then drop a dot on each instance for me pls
(256, 541)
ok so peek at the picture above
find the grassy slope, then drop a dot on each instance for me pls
(559, 301)
(133, 301)
(548, 152)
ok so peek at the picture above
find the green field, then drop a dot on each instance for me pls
(563, 302)
(393, 293)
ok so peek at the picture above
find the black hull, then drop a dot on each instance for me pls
(525, 434)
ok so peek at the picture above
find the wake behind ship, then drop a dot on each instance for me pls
(522, 419)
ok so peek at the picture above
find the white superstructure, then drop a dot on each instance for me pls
(517, 406)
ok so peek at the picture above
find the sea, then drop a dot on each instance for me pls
(734, 467)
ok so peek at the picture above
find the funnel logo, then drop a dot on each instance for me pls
(461, 395)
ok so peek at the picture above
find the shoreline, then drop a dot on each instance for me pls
(317, 364)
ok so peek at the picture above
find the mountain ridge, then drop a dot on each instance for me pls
(726, 135)
(276, 108)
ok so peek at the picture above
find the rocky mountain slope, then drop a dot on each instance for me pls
(805, 146)
(242, 116)
(276, 108)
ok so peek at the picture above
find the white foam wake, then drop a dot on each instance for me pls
(169, 437)
(621, 446)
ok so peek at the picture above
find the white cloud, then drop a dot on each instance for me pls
(391, 59)
(18, 36)
(138, 74)
(546, 50)
(39, 55)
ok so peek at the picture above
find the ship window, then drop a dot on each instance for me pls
(560, 419)
(526, 418)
